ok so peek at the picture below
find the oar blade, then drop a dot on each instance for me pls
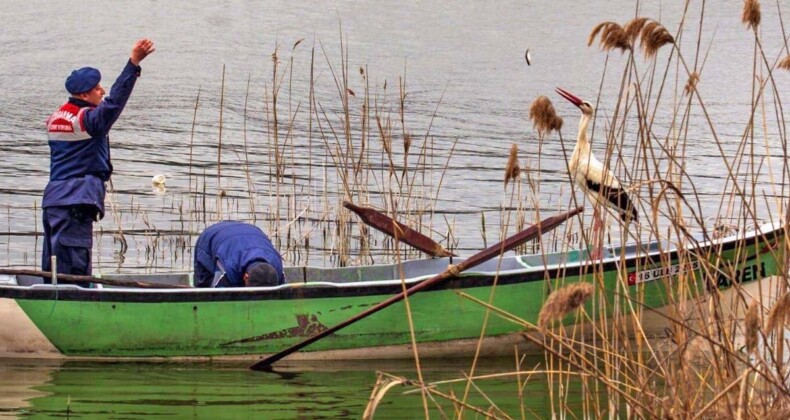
(399, 231)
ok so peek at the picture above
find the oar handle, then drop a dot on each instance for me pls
(397, 230)
(482, 256)
(70, 278)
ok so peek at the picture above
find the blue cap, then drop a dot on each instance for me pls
(82, 80)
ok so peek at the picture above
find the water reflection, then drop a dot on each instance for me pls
(304, 390)
(19, 381)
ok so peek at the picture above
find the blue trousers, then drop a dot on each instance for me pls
(68, 234)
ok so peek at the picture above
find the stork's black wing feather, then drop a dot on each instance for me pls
(618, 197)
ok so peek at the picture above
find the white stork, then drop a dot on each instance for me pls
(597, 181)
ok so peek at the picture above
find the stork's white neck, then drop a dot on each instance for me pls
(582, 143)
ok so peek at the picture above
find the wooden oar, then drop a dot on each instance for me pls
(397, 230)
(68, 278)
(451, 271)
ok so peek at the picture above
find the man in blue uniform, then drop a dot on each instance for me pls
(236, 254)
(80, 164)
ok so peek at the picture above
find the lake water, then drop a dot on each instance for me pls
(337, 390)
(466, 80)
(465, 77)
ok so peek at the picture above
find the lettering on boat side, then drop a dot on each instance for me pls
(653, 274)
(749, 273)
(306, 326)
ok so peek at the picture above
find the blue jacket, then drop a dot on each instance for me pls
(235, 245)
(79, 145)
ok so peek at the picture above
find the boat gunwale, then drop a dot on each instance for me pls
(319, 290)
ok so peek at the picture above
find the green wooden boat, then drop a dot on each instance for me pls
(44, 320)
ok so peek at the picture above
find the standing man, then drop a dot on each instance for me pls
(236, 254)
(80, 164)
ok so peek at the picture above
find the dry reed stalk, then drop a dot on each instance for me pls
(544, 117)
(192, 193)
(694, 349)
(784, 64)
(407, 304)
(505, 226)
(219, 146)
(778, 414)
(563, 301)
(386, 381)
(751, 14)
(512, 170)
(612, 37)
(382, 386)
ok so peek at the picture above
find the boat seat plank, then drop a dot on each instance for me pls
(294, 274)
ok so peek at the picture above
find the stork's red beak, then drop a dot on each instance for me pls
(569, 96)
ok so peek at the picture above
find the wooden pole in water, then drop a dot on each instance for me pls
(451, 271)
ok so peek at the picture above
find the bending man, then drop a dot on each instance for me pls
(236, 254)
(80, 164)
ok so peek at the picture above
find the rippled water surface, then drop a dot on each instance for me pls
(337, 390)
(465, 80)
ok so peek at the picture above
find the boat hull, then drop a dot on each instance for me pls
(444, 320)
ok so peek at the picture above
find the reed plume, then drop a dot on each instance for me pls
(512, 170)
(653, 35)
(751, 14)
(634, 27)
(563, 301)
(785, 63)
(752, 325)
(779, 313)
(612, 37)
(407, 140)
(543, 116)
(691, 84)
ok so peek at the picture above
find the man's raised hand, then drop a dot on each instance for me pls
(141, 49)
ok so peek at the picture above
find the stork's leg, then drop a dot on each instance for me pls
(596, 237)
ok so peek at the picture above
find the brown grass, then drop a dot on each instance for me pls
(694, 349)
(654, 36)
(612, 37)
(623, 368)
(512, 170)
(778, 414)
(751, 14)
(564, 301)
(634, 27)
(779, 314)
(543, 116)
(752, 326)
